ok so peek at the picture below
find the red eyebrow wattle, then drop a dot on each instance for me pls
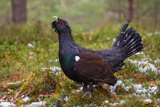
(62, 22)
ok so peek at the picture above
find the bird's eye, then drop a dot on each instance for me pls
(62, 22)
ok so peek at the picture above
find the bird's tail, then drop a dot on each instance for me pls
(129, 42)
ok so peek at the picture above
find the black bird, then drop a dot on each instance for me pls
(90, 67)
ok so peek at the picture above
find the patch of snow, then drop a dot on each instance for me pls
(139, 88)
(127, 88)
(147, 65)
(158, 99)
(10, 83)
(122, 101)
(36, 104)
(26, 99)
(141, 53)
(39, 99)
(139, 95)
(157, 33)
(31, 53)
(66, 99)
(113, 89)
(114, 39)
(157, 61)
(108, 38)
(113, 104)
(53, 69)
(6, 104)
(106, 101)
(148, 100)
(153, 89)
(57, 60)
(149, 95)
(149, 34)
(85, 105)
(30, 57)
(22, 96)
(81, 88)
(119, 83)
(30, 45)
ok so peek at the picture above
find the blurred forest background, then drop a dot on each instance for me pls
(85, 14)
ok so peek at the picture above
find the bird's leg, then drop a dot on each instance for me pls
(89, 90)
(82, 90)
(85, 87)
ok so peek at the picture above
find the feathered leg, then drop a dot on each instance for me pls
(89, 90)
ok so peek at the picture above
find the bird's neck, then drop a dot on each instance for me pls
(67, 46)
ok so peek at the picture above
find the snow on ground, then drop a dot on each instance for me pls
(66, 98)
(6, 104)
(30, 45)
(148, 100)
(57, 60)
(106, 101)
(26, 99)
(36, 104)
(54, 69)
(114, 104)
(140, 91)
(144, 65)
(10, 83)
(119, 83)
(156, 33)
(157, 61)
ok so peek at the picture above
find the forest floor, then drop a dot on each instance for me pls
(30, 72)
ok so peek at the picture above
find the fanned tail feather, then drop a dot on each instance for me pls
(128, 43)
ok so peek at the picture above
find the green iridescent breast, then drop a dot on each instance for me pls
(65, 60)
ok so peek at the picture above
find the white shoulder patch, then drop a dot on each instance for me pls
(77, 58)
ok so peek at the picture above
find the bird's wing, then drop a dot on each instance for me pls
(90, 65)
(113, 57)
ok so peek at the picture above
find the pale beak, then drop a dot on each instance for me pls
(55, 18)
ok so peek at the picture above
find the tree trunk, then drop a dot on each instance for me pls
(156, 15)
(130, 10)
(19, 11)
(156, 10)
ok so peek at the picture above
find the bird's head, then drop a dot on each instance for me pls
(60, 25)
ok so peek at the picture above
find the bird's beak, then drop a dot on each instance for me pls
(55, 18)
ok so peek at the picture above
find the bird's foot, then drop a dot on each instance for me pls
(87, 93)
(87, 90)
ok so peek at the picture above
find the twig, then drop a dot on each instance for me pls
(3, 97)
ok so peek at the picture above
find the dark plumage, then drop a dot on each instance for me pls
(93, 66)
